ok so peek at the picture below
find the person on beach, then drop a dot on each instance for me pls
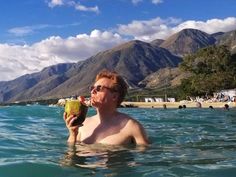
(108, 126)
(198, 105)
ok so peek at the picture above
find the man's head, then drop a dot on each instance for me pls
(112, 82)
(226, 106)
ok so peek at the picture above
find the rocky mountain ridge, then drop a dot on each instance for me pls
(134, 60)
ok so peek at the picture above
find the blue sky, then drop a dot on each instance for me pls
(39, 33)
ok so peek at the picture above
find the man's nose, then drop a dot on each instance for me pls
(93, 91)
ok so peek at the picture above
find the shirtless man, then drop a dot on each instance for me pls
(108, 126)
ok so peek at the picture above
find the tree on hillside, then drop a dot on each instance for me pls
(212, 68)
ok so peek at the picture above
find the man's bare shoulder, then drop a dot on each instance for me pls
(135, 129)
(130, 121)
(123, 116)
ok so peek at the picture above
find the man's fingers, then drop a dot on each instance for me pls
(68, 119)
(65, 116)
(71, 121)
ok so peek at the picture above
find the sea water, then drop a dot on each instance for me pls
(187, 142)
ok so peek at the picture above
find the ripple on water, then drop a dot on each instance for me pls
(189, 142)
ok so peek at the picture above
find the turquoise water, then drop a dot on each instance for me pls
(187, 142)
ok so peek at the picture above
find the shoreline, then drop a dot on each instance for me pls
(188, 104)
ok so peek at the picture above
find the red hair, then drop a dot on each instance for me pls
(118, 83)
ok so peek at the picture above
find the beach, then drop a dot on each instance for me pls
(189, 104)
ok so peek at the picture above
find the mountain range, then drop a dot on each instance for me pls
(137, 61)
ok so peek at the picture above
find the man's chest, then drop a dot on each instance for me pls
(104, 135)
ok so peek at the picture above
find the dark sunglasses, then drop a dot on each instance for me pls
(99, 88)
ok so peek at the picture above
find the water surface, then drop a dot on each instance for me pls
(187, 142)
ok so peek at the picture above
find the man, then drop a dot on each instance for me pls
(108, 126)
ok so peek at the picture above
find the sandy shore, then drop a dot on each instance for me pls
(177, 104)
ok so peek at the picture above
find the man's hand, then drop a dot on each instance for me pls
(73, 130)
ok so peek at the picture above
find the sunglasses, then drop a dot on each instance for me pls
(99, 88)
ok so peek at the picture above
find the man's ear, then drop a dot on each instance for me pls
(115, 96)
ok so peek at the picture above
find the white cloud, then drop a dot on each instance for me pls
(209, 26)
(78, 6)
(16, 60)
(162, 28)
(157, 1)
(28, 30)
(152, 1)
(79, 47)
(149, 29)
(54, 3)
(88, 9)
(21, 31)
(136, 1)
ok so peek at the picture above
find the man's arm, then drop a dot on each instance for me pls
(138, 133)
(73, 130)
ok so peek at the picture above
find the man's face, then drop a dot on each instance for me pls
(102, 93)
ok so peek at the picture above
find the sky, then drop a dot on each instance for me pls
(38, 33)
